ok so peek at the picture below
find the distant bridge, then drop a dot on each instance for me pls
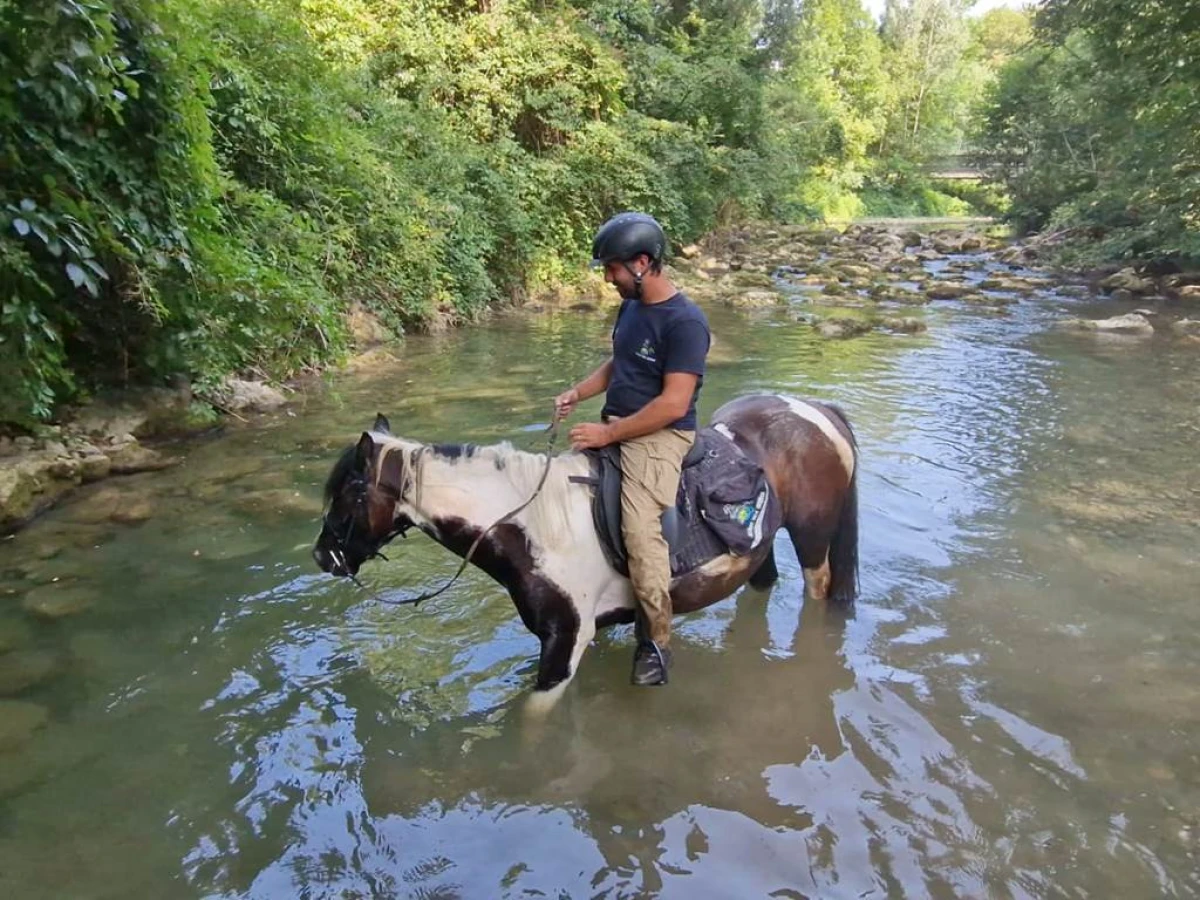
(958, 167)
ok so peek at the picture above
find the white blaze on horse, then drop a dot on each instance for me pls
(549, 556)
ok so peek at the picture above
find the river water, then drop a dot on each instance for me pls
(1012, 709)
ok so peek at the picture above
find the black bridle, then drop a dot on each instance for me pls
(361, 487)
(344, 535)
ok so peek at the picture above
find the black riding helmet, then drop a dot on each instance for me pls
(626, 236)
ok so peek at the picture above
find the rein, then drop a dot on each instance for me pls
(429, 595)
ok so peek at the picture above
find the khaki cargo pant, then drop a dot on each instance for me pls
(650, 467)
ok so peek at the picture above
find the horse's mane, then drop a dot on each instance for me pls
(549, 513)
(341, 471)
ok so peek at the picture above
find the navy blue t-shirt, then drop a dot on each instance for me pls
(649, 341)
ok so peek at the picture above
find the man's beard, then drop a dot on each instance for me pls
(627, 293)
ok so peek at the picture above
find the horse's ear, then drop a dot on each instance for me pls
(381, 425)
(364, 452)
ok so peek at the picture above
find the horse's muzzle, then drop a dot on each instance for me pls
(334, 561)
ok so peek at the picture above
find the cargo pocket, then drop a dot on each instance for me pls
(662, 476)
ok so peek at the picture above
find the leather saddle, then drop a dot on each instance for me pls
(688, 532)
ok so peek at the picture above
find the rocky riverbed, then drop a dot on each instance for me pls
(842, 283)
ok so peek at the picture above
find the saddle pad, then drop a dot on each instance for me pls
(724, 505)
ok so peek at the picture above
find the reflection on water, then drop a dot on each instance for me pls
(1010, 710)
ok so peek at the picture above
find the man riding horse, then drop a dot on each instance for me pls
(652, 381)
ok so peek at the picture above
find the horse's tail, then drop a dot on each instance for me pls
(843, 548)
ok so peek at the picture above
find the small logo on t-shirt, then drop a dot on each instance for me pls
(646, 351)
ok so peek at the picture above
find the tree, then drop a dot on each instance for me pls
(1096, 125)
(925, 41)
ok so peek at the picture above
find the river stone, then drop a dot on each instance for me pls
(888, 242)
(22, 669)
(853, 270)
(18, 722)
(236, 395)
(57, 600)
(94, 467)
(1131, 323)
(946, 291)
(843, 328)
(887, 293)
(904, 324)
(1128, 280)
(1012, 285)
(754, 299)
(1186, 326)
(28, 485)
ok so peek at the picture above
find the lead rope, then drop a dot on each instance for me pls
(416, 601)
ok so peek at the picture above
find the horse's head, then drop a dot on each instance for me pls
(361, 499)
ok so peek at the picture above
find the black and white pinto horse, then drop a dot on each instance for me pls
(549, 556)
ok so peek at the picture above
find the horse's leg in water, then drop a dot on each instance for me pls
(562, 648)
(812, 549)
(766, 574)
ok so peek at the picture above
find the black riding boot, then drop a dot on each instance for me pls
(650, 664)
(650, 661)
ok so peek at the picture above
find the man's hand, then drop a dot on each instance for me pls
(564, 404)
(590, 435)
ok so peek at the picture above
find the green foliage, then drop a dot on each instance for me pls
(204, 186)
(1096, 126)
(829, 111)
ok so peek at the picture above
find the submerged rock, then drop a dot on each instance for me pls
(269, 504)
(22, 669)
(843, 327)
(57, 600)
(19, 721)
(15, 633)
(1186, 326)
(131, 458)
(1131, 323)
(904, 324)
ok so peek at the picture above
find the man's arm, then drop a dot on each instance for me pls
(596, 383)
